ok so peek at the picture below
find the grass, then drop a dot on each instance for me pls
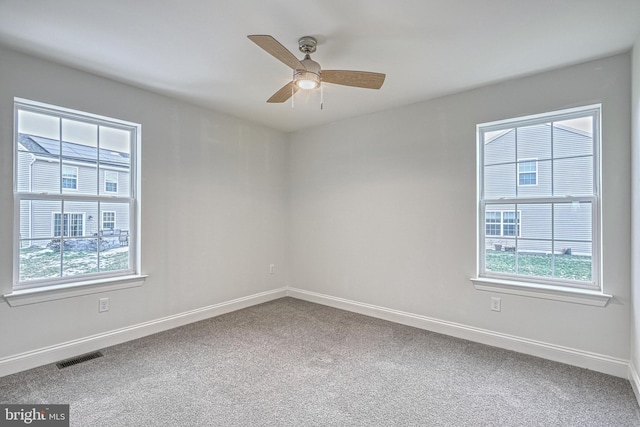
(44, 263)
(572, 267)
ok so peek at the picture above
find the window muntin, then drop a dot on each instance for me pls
(58, 232)
(544, 170)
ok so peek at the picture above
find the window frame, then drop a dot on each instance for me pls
(46, 289)
(515, 283)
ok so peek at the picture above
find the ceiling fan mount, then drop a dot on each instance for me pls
(307, 44)
(307, 73)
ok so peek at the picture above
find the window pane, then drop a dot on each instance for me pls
(115, 139)
(119, 212)
(535, 224)
(573, 137)
(38, 124)
(573, 176)
(114, 253)
(115, 160)
(500, 181)
(80, 140)
(116, 257)
(37, 218)
(534, 142)
(573, 261)
(39, 259)
(502, 258)
(572, 221)
(79, 256)
(37, 171)
(499, 147)
(536, 262)
(24, 165)
(534, 178)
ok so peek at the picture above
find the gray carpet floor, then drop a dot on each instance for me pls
(294, 363)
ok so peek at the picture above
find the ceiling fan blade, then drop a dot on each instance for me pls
(281, 53)
(284, 93)
(365, 79)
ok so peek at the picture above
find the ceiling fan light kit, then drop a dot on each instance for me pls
(307, 74)
(310, 77)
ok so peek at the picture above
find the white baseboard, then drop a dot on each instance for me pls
(46, 355)
(597, 362)
(634, 379)
(584, 359)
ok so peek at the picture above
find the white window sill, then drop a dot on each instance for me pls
(536, 290)
(69, 290)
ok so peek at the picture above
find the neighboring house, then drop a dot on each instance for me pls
(39, 172)
(544, 157)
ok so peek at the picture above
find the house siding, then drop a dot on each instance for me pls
(24, 161)
(41, 174)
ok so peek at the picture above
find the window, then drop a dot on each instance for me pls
(108, 220)
(72, 226)
(111, 181)
(527, 172)
(542, 170)
(69, 177)
(59, 237)
(502, 223)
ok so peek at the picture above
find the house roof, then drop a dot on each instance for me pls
(47, 147)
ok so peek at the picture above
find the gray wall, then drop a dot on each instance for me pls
(383, 208)
(214, 206)
(635, 247)
(378, 209)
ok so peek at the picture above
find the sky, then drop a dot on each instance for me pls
(584, 124)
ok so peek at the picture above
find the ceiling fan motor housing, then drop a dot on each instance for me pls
(310, 77)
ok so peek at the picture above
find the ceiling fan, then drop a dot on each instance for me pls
(307, 73)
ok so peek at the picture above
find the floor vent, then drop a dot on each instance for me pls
(79, 359)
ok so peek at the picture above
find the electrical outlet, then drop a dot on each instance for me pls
(495, 304)
(272, 269)
(103, 305)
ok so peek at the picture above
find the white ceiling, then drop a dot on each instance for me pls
(197, 50)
